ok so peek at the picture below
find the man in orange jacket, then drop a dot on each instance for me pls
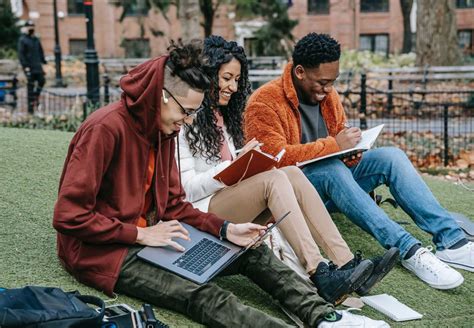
(302, 113)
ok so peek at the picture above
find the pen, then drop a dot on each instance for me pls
(260, 144)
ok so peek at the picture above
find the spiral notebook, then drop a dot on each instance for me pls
(391, 307)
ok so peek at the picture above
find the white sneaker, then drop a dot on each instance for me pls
(352, 320)
(461, 258)
(426, 266)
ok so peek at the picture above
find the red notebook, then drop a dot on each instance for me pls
(246, 166)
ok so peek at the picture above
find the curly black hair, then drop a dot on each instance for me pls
(315, 49)
(204, 136)
(186, 62)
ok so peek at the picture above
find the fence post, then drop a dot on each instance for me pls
(84, 109)
(446, 140)
(390, 95)
(363, 101)
(13, 91)
(106, 89)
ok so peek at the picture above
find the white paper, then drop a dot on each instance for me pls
(366, 142)
(391, 307)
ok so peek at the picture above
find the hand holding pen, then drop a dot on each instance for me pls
(348, 137)
(352, 159)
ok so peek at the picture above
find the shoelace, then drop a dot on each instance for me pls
(433, 265)
(332, 266)
(357, 257)
(330, 270)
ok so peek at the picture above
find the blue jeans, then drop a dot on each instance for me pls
(346, 189)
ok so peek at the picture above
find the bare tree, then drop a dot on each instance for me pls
(209, 9)
(189, 18)
(406, 6)
(436, 35)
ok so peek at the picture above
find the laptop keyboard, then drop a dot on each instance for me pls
(199, 258)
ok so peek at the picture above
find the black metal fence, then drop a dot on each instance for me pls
(432, 122)
(433, 127)
(57, 102)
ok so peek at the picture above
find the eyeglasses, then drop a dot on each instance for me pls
(189, 113)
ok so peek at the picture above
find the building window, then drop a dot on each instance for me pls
(318, 7)
(77, 47)
(465, 3)
(374, 42)
(466, 42)
(369, 6)
(75, 7)
(136, 48)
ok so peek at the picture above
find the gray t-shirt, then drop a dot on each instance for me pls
(312, 123)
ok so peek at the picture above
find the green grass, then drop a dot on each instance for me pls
(30, 166)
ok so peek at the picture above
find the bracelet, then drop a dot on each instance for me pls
(223, 231)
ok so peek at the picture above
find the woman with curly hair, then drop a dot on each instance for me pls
(209, 145)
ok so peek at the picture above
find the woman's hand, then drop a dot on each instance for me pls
(244, 234)
(162, 233)
(252, 144)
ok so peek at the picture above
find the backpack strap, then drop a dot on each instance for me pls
(95, 301)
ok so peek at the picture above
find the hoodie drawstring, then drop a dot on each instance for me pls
(179, 166)
(159, 156)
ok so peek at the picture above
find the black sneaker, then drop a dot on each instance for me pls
(382, 265)
(334, 285)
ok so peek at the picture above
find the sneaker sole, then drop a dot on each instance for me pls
(458, 266)
(450, 286)
(387, 263)
(361, 273)
(442, 287)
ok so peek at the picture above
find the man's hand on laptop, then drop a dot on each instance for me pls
(162, 233)
(244, 234)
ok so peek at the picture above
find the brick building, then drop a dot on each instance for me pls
(357, 24)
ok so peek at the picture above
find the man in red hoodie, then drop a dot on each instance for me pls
(120, 190)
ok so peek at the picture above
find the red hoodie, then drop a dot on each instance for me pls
(101, 191)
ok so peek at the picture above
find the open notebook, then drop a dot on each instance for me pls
(246, 166)
(391, 307)
(366, 142)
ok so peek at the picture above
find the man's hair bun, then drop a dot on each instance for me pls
(186, 61)
(184, 55)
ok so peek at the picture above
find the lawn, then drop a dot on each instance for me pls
(30, 166)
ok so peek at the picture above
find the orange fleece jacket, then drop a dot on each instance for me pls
(272, 117)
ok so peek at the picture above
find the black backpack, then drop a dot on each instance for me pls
(48, 307)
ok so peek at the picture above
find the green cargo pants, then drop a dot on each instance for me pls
(213, 306)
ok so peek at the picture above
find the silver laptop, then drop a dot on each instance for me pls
(204, 258)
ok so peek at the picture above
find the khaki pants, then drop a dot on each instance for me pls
(283, 190)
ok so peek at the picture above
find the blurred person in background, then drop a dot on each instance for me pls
(31, 56)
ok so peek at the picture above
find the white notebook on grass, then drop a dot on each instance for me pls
(391, 307)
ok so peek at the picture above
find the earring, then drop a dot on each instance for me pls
(165, 99)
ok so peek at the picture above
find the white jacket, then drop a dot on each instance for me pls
(197, 173)
(198, 183)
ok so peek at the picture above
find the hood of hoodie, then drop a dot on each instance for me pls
(142, 91)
